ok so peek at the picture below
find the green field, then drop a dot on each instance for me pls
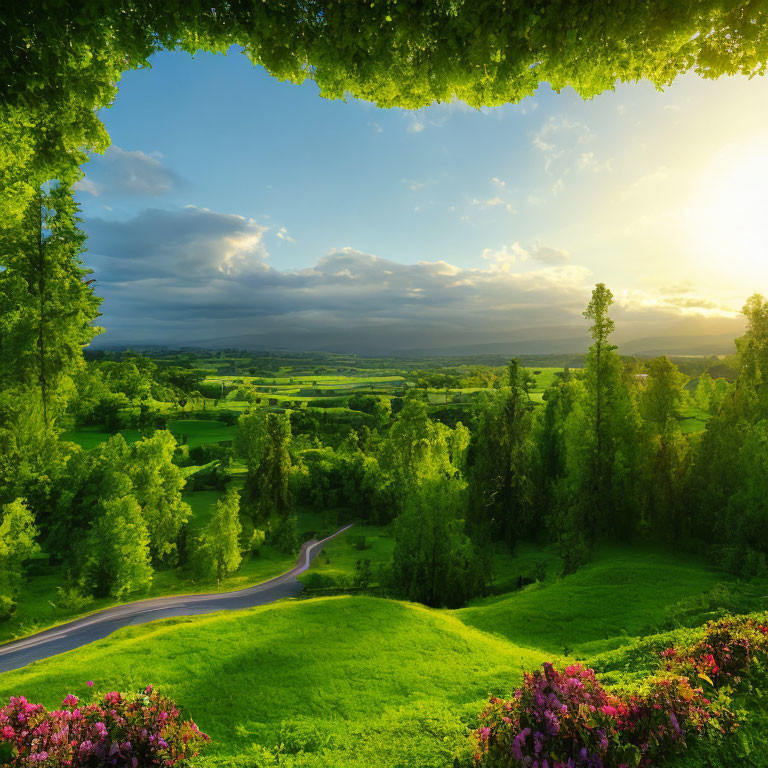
(620, 594)
(337, 559)
(350, 681)
(89, 437)
(195, 433)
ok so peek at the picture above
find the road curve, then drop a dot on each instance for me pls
(65, 637)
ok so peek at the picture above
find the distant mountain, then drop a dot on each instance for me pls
(684, 337)
(715, 344)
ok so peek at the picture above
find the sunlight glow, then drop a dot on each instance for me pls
(729, 213)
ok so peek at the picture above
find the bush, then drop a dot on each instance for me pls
(70, 598)
(143, 729)
(568, 720)
(7, 607)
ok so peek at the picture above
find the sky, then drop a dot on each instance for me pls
(235, 209)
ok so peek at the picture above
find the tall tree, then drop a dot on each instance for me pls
(18, 542)
(117, 560)
(221, 537)
(598, 494)
(48, 305)
(267, 448)
(669, 454)
(501, 455)
(434, 561)
(157, 485)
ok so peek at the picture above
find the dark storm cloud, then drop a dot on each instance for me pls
(193, 275)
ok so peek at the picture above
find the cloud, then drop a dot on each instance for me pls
(493, 202)
(282, 234)
(562, 142)
(503, 258)
(415, 126)
(122, 173)
(191, 275)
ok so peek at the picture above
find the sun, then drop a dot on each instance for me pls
(729, 215)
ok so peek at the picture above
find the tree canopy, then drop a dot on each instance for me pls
(62, 59)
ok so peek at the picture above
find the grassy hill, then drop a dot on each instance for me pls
(349, 681)
(361, 681)
(620, 594)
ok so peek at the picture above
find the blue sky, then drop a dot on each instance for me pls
(231, 204)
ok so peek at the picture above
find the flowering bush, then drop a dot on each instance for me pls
(135, 731)
(726, 651)
(566, 719)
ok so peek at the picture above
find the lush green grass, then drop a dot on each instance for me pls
(90, 437)
(545, 377)
(621, 594)
(355, 681)
(201, 432)
(338, 557)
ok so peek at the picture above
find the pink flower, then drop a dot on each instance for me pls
(90, 683)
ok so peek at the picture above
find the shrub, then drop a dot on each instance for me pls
(143, 729)
(568, 720)
(71, 598)
(726, 651)
(7, 607)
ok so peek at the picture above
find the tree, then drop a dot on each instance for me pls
(433, 561)
(251, 438)
(18, 542)
(221, 537)
(664, 395)
(157, 485)
(48, 306)
(705, 389)
(117, 553)
(598, 493)
(501, 454)
(267, 486)
(669, 453)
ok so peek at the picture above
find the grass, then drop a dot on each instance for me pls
(199, 432)
(337, 559)
(89, 437)
(622, 593)
(360, 681)
(354, 681)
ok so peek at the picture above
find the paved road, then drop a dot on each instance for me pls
(98, 625)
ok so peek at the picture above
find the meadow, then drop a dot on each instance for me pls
(359, 681)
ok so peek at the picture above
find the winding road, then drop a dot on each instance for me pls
(65, 637)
